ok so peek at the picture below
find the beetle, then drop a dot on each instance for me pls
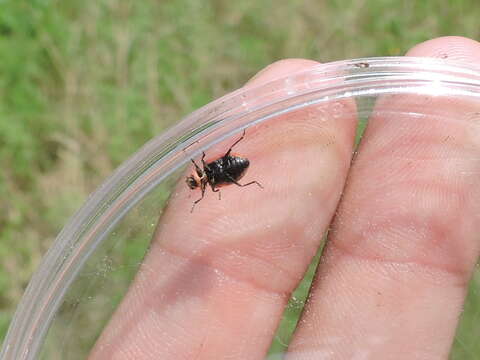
(226, 170)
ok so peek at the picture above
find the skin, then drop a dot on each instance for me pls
(401, 250)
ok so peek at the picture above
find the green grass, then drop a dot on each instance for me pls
(85, 84)
(293, 311)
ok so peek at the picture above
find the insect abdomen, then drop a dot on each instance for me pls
(223, 170)
(237, 167)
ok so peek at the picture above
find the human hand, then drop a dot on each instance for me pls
(395, 271)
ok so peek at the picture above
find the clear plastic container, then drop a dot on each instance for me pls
(88, 270)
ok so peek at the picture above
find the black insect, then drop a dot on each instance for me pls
(224, 171)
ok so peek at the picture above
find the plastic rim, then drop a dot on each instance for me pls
(212, 123)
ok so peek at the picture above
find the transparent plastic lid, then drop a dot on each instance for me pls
(376, 158)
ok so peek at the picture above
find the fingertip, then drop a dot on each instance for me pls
(456, 48)
(278, 69)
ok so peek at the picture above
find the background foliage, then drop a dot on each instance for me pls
(83, 84)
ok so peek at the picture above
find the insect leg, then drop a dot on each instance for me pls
(235, 143)
(197, 201)
(205, 165)
(197, 168)
(242, 185)
(216, 190)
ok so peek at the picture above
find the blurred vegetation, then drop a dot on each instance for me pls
(83, 84)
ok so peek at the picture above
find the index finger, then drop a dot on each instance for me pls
(218, 279)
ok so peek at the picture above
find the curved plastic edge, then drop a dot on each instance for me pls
(211, 123)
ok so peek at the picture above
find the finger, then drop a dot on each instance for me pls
(404, 243)
(215, 282)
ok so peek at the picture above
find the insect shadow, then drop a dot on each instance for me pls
(226, 170)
